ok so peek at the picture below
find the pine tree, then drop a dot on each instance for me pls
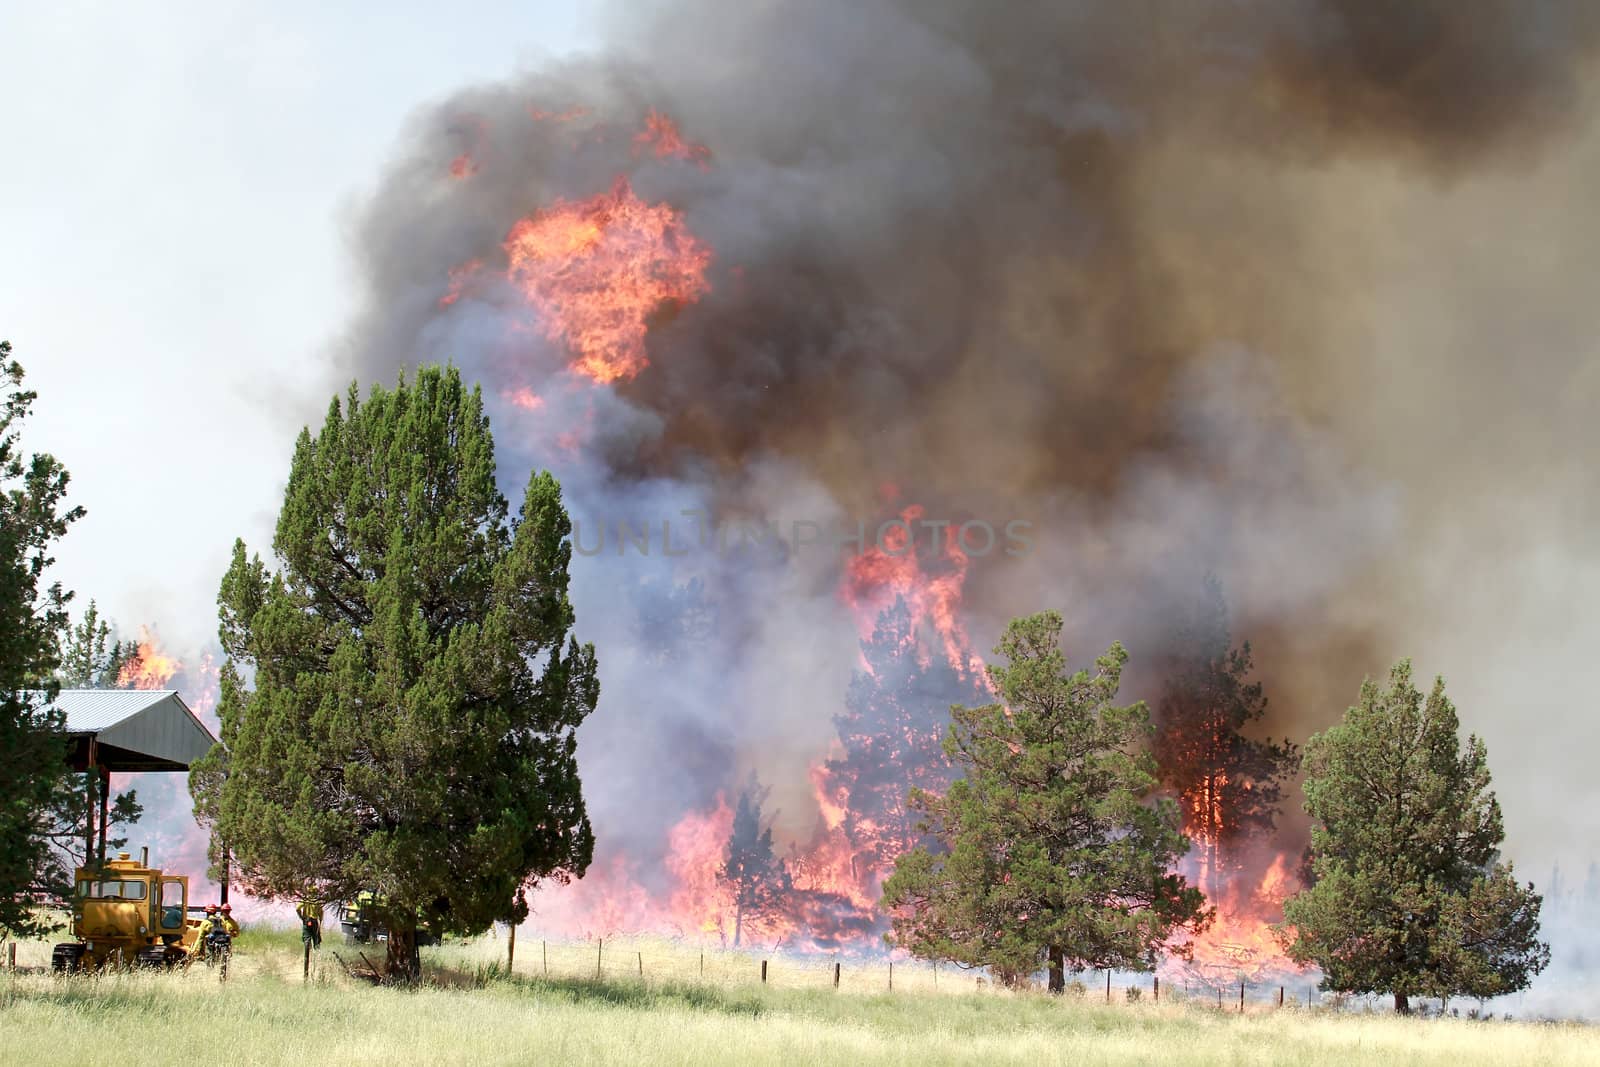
(892, 732)
(410, 727)
(1229, 786)
(33, 615)
(1056, 852)
(1410, 896)
(91, 656)
(757, 878)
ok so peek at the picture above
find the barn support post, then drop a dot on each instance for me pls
(105, 810)
(90, 779)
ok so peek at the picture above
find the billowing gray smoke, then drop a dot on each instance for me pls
(1289, 291)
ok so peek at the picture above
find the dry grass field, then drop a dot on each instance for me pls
(470, 1011)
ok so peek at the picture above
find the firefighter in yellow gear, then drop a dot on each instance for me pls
(216, 919)
(310, 912)
(207, 924)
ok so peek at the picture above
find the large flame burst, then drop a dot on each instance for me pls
(149, 668)
(596, 270)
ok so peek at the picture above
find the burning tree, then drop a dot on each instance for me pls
(1229, 786)
(1055, 852)
(1410, 896)
(757, 879)
(410, 727)
(892, 732)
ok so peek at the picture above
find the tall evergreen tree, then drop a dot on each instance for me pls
(410, 726)
(91, 658)
(1056, 850)
(91, 655)
(33, 615)
(757, 878)
(892, 734)
(1229, 786)
(1410, 896)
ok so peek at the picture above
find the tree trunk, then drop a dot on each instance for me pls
(1058, 970)
(1402, 1004)
(404, 963)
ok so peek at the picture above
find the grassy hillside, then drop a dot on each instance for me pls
(471, 1013)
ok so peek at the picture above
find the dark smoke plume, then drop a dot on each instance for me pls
(1115, 269)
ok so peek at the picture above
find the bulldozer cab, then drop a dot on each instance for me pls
(124, 898)
(127, 908)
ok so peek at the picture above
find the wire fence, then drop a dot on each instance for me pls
(653, 959)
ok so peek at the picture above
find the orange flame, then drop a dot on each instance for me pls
(660, 134)
(596, 270)
(150, 668)
(1241, 942)
(458, 278)
(894, 568)
(524, 398)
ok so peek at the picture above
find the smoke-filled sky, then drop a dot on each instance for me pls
(1298, 293)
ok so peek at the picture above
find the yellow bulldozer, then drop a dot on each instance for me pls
(127, 913)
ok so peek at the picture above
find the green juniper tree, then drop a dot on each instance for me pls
(401, 692)
(1056, 851)
(755, 876)
(1409, 895)
(33, 615)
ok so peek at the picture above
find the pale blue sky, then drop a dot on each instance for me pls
(177, 182)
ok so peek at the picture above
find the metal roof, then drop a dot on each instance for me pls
(136, 729)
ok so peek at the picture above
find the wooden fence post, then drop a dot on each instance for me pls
(599, 947)
(11, 957)
(305, 972)
(641, 965)
(702, 963)
(1241, 996)
(511, 949)
(1108, 985)
(836, 974)
(1158, 987)
(1280, 996)
(1219, 998)
(763, 972)
(544, 955)
(891, 976)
